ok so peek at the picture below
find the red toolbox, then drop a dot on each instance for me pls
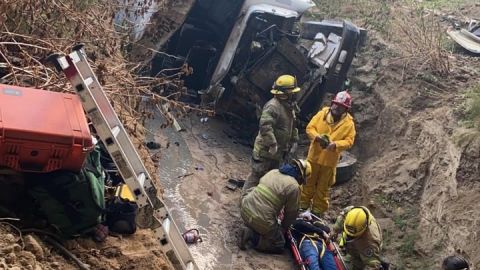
(42, 131)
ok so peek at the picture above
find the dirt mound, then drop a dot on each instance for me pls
(27, 252)
(139, 251)
(415, 172)
(31, 252)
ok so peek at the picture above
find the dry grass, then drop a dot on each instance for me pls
(419, 40)
(31, 29)
(371, 15)
(413, 31)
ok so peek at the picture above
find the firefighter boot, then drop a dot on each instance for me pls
(246, 235)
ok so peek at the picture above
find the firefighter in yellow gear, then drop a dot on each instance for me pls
(277, 132)
(361, 238)
(330, 131)
(261, 206)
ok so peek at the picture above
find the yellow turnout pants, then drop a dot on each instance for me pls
(315, 193)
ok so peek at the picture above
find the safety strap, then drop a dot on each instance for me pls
(268, 194)
(342, 240)
(313, 238)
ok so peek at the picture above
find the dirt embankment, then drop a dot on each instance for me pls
(419, 168)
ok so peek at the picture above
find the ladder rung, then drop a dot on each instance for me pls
(89, 81)
(62, 61)
(190, 266)
(75, 57)
(141, 179)
(115, 131)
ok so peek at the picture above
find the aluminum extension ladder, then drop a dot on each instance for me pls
(153, 213)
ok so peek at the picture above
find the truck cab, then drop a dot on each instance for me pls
(237, 49)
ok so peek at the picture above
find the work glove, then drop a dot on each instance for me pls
(273, 149)
(323, 140)
(332, 146)
(306, 215)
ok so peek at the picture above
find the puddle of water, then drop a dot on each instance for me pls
(175, 161)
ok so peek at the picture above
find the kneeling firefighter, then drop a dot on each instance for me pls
(361, 238)
(261, 205)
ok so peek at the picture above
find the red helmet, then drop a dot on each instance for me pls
(343, 99)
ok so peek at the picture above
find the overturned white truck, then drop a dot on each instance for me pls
(237, 48)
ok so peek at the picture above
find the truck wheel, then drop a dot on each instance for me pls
(345, 168)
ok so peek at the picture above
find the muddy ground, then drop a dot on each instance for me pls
(195, 165)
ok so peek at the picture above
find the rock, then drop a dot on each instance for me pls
(10, 238)
(17, 248)
(27, 258)
(15, 268)
(153, 145)
(55, 265)
(11, 258)
(3, 264)
(6, 250)
(365, 69)
(32, 245)
(364, 82)
(111, 252)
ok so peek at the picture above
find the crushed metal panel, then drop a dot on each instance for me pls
(285, 59)
(466, 39)
(311, 28)
(231, 46)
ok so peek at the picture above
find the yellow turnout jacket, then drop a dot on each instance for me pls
(342, 133)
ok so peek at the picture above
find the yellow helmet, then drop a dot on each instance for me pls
(356, 221)
(285, 84)
(304, 166)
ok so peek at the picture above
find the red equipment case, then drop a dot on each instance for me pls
(42, 131)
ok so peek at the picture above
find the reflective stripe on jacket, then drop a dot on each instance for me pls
(262, 205)
(342, 133)
(277, 127)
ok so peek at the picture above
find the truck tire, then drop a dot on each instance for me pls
(345, 168)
